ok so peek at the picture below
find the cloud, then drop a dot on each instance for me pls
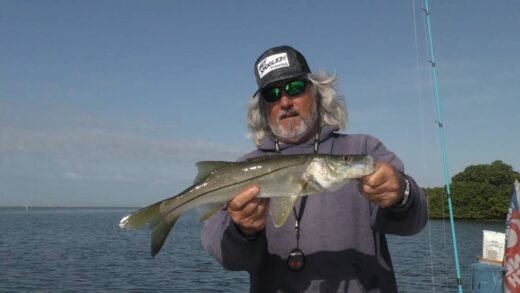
(91, 144)
(83, 138)
(53, 146)
(72, 175)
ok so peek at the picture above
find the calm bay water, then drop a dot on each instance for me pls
(82, 249)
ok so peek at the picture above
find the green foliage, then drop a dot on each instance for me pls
(497, 174)
(478, 192)
(437, 205)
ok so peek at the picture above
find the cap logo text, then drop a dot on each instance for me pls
(271, 63)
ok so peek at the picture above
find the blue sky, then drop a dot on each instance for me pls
(111, 103)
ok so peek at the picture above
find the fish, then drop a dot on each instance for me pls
(282, 178)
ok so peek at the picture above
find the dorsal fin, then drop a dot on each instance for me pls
(261, 158)
(206, 167)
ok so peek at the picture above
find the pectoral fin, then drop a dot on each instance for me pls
(280, 208)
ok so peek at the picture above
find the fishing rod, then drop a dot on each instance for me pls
(443, 144)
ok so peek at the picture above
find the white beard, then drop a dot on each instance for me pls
(298, 130)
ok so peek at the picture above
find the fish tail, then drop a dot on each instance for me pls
(150, 217)
(141, 218)
(160, 231)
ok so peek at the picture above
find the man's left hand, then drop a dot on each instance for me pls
(383, 186)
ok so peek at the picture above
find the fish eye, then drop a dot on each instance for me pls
(347, 159)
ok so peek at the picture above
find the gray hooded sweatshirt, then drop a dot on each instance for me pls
(341, 233)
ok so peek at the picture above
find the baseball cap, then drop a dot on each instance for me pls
(279, 63)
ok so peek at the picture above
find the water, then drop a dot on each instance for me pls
(82, 249)
(425, 263)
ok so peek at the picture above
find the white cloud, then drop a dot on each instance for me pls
(108, 145)
(46, 152)
(85, 138)
(72, 175)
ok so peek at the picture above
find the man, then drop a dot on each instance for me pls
(335, 241)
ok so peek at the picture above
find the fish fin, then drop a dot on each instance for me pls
(150, 217)
(261, 158)
(141, 218)
(280, 208)
(160, 231)
(310, 187)
(206, 167)
(208, 210)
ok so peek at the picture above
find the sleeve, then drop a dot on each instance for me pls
(222, 240)
(403, 220)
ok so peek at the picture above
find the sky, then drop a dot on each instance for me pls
(111, 103)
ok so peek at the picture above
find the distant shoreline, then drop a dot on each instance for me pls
(29, 208)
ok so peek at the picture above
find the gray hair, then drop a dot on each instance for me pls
(332, 109)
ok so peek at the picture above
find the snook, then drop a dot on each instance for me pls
(281, 178)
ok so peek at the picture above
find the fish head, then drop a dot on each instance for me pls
(350, 166)
(330, 172)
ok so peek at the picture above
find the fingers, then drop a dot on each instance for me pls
(383, 186)
(247, 211)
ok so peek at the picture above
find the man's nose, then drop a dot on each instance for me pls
(285, 101)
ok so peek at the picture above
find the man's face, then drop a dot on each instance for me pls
(292, 119)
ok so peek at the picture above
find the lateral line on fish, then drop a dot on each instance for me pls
(226, 186)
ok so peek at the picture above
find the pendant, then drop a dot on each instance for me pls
(296, 260)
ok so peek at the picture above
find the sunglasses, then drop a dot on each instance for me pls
(292, 88)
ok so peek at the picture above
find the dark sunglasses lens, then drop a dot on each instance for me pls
(295, 88)
(271, 95)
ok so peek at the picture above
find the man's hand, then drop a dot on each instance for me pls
(247, 211)
(384, 186)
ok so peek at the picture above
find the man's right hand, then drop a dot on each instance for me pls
(248, 212)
